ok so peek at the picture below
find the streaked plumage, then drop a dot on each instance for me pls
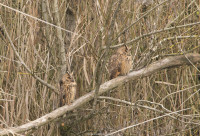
(120, 63)
(67, 89)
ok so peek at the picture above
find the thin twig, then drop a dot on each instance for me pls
(21, 60)
(35, 18)
(152, 68)
(43, 21)
(179, 92)
(101, 67)
(151, 33)
(139, 19)
(146, 121)
(179, 37)
(136, 104)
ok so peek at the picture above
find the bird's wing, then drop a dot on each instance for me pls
(114, 66)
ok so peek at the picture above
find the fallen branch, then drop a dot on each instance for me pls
(173, 61)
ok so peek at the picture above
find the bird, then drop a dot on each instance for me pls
(67, 89)
(120, 63)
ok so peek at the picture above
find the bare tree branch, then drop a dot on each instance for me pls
(140, 104)
(139, 20)
(158, 117)
(101, 69)
(60, 40)
(168, 62)
(35, 18)
(21, 60)
(152, 33)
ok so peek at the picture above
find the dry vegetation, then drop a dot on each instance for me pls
(154, 29)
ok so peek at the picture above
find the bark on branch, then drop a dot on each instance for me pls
(174, 61)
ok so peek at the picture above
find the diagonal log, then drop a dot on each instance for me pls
(173, 61)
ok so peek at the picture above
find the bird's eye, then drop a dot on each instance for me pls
(61, 82)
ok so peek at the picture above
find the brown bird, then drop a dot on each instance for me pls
(67, 89)
(120, 63)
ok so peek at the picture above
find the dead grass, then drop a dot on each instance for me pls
(26, 99)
